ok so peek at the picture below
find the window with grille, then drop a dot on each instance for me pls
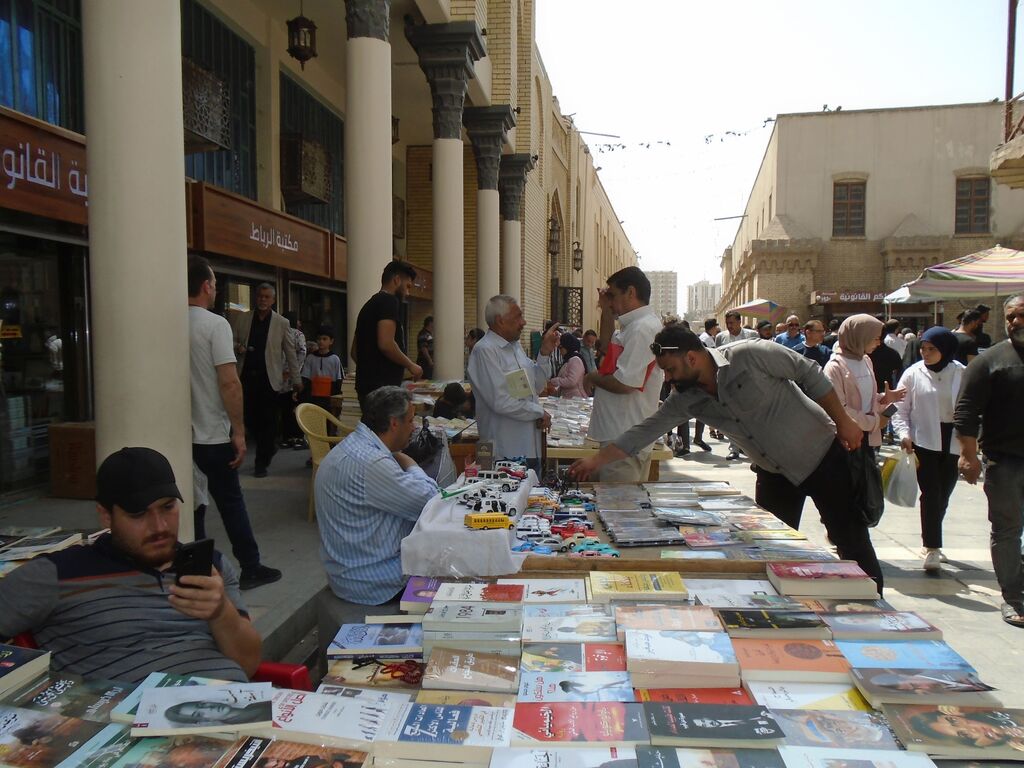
(973, 197)
(848, 208)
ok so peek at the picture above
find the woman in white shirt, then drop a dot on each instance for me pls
(924, 424)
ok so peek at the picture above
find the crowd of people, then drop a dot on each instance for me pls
(796, 402)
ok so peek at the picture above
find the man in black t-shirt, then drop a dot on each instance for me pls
(967, 343)
(378, 347)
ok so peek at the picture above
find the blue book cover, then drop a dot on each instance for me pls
(380, 640)
(447, 724)
(902, 654)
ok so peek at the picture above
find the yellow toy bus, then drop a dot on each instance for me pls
(483, 521)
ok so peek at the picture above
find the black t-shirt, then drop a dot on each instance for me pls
(373, 370)
(966, 345)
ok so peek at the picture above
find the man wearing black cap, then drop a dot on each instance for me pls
(765, 330)
(111, 610)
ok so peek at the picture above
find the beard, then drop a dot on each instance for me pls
(1017, 337)
(687, 383)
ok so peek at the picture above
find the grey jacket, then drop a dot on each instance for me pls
(279, 339)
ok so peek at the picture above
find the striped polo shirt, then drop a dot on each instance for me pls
(103, 616)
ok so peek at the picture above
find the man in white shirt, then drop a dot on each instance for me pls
(892, 337)
(506, 382)
(711, 330)
(734, 331)
(218, 430)
(627, 386)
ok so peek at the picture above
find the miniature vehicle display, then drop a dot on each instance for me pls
(483, 521)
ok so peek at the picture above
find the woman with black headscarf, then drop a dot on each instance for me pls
(924, 425)
(569, 380)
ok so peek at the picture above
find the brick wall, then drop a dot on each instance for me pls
(502, 40)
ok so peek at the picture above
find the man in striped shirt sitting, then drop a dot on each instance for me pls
(111, 610)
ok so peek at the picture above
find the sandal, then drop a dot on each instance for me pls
(1012, 616)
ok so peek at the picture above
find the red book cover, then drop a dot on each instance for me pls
(822, 570)
(604, 657)
(695, 695)
(595, 722)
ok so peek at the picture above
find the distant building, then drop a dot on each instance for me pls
(847, 206)
(664, 298)
(701, 300)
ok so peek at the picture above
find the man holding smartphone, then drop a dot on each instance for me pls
(132, 619)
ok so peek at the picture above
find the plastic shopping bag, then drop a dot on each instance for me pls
(900, 484)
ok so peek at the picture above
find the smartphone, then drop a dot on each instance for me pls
(193, 559)
(890, 411)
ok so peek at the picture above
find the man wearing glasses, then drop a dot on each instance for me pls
(791, 336)
(813, 345)
(797, 437)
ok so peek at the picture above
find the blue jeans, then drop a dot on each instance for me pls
(225, 489)
(1004, 487)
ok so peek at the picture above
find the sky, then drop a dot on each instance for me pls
(702, 76)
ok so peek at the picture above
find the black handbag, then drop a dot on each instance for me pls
(868, 499)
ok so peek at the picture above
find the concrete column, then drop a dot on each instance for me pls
(488, 130)
(133, 107)
(446, 55)
(511, 182)
(367, 150)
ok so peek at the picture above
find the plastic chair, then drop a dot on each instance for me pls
(313, 420)
(281, 675)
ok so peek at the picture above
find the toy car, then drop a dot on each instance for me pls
(494, 505)
(589, 544)
(564, 529)
(554, 542)
(574, 539)
(534, 522)
(593, 553)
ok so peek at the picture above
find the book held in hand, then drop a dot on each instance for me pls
(381, 641)
(712, 725)
(238, 707)
(20, 666)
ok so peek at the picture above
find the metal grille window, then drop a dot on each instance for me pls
(972, 205)
(211, 45)
(848, 208)
(41, 60)
(302, 114)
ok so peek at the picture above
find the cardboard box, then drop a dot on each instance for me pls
(73, 460)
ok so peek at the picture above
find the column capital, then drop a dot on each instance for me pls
(447, 53)
(511, 182)
(488, 129)
(368, 18)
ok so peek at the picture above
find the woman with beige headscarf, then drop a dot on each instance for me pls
(853, 376)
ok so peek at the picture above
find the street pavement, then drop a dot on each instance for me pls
(962, 600)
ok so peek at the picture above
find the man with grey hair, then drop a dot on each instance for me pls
(368, 497)
(264, 345)
(506, 382)
(990, 396)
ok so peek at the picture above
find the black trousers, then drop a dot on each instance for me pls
(289, 427)
(936, 477)
(261, 410)
(830, 488)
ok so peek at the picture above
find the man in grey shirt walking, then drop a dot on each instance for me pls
(781, 411)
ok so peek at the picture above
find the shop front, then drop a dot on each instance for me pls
(828, 305)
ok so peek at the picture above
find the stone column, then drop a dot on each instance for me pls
(446, 54)
(488, 129)
(511, 182)
(137, 240)
(367, 150)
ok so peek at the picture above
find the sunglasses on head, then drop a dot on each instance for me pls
(658, 350)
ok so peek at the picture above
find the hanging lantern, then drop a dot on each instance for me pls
(577, 256)
(554, 236)
(301, 38)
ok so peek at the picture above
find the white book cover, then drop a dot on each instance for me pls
(239, 707)
(474, 592)
(826, 757)
(551, 610)
(458, 728)
(473, 616)
(551, 590)
(353, 720)
(570, 629)
(575, 686)
(125, 710)
(522, 757)
(380, 698)
(679, 646)
(785, 695)
(730, 586)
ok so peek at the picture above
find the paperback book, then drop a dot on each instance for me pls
(808, 661)
(575, 686)
(923, 686)
(124, 711)
(741, 726)
(573, 657)
(261, 751)
(570, 629)
(636, 585)
(567, 724)
(678, 617)
(777, 625)
(29, 738)
(824, 757)
(71, 696)
(838, 579)
(553, 610)
(155, 752)
(677, 653)
(20, 666)
(102, 750)
(444, 732)
(400, 674)
(837, 729)
(467, 698)
(695, 695)
(694, 757)
(967, 732)
(784, 695)
(840, 605)
(473, 616)
(341, 721)
(608, 757)
(896, 625)
(238, 707)
(450, 669)
(379, 641)
(457, 592)
(418, 594)
(902, 654)
(551, 590)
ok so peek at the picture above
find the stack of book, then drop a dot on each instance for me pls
(681, 659)
(484, 618)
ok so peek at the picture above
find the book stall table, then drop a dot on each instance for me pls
(638, 661)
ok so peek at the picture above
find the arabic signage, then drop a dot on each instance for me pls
(235, 226)
(843, 296)
(42, 169)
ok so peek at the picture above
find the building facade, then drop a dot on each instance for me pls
(847, 206)
(664, 295)
(702, 299)
(307, 175)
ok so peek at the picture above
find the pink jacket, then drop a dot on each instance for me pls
(838, 372)
(570, 378)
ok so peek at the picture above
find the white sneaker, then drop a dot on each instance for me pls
(933, 560)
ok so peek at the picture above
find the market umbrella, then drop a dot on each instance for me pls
(995, 271)
(764, 309)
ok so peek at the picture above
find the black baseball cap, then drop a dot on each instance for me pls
(763, 323)
(133, 478)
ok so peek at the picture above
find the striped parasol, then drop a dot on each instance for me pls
(763, 309)
(995, 271)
